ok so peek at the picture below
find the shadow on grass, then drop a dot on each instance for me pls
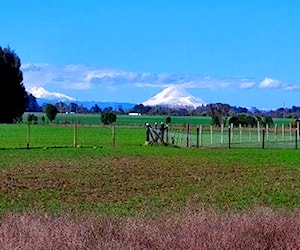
(51, 147)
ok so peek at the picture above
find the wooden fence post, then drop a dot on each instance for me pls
(296, 138)
(241, 136)
(298, 128)
(114, 136)
(258, 132)
(231, 132)
(263, 137)
(75, 135)
(28, 136)
(201, 139)
(211, 135)
(167, 134)
(222, 133)
(187, 135)
(250, 135)
(229, 136)
(198, 131)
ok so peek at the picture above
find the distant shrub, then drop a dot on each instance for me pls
(43, 119)
(51, 112)
(268, 121)
(108, 118)
(32, 119)
(66, 122)
(168, 120)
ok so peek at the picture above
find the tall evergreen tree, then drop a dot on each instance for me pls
(13, 96)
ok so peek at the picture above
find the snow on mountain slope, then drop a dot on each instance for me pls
(174, 96)
(40, 92)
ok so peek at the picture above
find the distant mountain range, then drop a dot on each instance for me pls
(89, 104)
(43, 96)
(173, 96)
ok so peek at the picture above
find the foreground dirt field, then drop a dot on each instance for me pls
(149, 198)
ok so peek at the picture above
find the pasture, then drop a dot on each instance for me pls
(144, 180)
(134, 179)
(131, 130)
(126, 120)
(137, 196)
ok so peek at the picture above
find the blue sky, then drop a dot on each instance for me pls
(241, 52)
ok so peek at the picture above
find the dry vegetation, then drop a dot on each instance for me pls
(261, 229)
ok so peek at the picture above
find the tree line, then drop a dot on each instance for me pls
(51, 111)
(215, 108)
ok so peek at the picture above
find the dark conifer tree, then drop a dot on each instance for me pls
(13, 96)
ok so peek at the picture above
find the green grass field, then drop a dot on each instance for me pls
(91, 134)
(17, 136)
(134, 179)
(62, 136)
(94, 119)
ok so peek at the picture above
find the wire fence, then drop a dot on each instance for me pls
(74, 135)
(54, 136)
(277, 136)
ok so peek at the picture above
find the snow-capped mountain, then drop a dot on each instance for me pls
(43, 96)
(174, 96)
(41, 93)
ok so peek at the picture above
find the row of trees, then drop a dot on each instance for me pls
(62, 107)
(223, 114)
(217, 108)
(250, 121)
(51, 112)
(72, 107)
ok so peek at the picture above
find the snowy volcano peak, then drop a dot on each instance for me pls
(174, 96)
(40, 92)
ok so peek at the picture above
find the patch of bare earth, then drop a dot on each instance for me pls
(107, 180)
(111, 178)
